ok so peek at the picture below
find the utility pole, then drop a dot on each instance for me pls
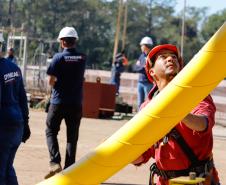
(10, 13)
(183, 30)
(150, 17)
(117, 30)
(124, 25)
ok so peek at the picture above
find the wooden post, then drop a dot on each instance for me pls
(117, 31)
(124, 25)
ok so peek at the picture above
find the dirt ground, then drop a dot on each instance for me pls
(31, 161)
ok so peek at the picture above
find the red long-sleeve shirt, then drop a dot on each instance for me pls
(170, 156)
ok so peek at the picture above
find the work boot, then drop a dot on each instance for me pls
(54, 169)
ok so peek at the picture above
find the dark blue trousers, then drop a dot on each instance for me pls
(10, 139)
(115, 80)
(143, 89)
(72, 116)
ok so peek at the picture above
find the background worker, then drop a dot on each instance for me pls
(117, 68)
(143, 85)
(182, 149)
(14, 127)
(66, 76)
(11, 56)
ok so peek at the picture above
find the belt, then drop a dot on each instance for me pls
(201, 169)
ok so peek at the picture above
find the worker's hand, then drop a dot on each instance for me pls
(52, 80)
(138, 62)
(47, 106)
(27, 132)
(138, 161)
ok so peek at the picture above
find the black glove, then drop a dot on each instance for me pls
(27, 132)
(47, 106)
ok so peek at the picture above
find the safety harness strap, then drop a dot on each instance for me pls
(200, 167)
(185, 147)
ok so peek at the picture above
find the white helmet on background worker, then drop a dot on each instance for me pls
(146, 41)
(68, 32)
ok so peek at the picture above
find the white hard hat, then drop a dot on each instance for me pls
(68, 32)
(146, 40)
(1, 37)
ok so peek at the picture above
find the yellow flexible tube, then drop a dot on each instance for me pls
(183, 93)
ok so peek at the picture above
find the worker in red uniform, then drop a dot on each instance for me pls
(188, 146)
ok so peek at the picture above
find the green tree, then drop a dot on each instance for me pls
(95, 21)
(192, 40)
(212, 24)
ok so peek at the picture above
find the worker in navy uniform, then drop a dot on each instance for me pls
(14, 126)
(66, 76)
(143, 85)
(11, 56)
(117, 68)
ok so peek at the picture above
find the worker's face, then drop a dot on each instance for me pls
(166, 66)
(144, 49)
(10, 53)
